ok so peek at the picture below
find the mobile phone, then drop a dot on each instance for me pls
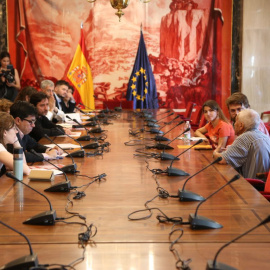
(9, 67)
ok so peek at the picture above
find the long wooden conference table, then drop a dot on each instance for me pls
(143, 244)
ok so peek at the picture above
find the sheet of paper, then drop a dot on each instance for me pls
(73, 135)
(66, 146)
(76, 116)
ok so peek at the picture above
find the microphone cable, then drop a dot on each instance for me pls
(180, 264)
(162, 218)
(135, 132)
(154, 171)
(142, 153)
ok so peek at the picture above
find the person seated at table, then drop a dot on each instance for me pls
(54, 114)
(8, 136)
(43, 125)
(24, 115)
(5, 105)
(26, 93)
(218, 129)
(250, 152)
(68, 102)
(238, 102)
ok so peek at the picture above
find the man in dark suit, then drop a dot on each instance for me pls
(24, 115)
(43, 125)
(60, 92)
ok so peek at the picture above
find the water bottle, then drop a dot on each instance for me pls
(18, 162)
(187, 134)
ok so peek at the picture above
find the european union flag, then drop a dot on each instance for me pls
(142, 86)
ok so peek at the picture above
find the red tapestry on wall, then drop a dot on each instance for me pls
(183, 40)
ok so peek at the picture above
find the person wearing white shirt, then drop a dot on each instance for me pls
(47, 86)
(8, 135)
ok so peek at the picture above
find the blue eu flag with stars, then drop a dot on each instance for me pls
(142, 86)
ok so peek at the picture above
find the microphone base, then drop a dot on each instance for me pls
(79, 153)
(218, 266)
(166, 156)
(161, 146)
(91, 119)
(25, 262)
(118, 109)
(101, 115)
(156, 131)
(151, 120)
(44, 218)
(84, 138)
(152, 125)
(161, 139)
(77, 126)
(60, 187)
(91, 124)
(188, 196)
(70, 168)
(176, 172)
(91, 146)
(202, 223)
(96, 130)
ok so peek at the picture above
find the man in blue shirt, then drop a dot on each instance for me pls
(250, 152)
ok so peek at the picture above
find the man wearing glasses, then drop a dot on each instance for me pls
(24, 115)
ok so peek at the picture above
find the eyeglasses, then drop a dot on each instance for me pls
(31, 122)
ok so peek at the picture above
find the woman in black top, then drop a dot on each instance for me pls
(9, 78)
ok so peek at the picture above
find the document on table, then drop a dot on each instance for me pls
(73, 135)
(65, 146)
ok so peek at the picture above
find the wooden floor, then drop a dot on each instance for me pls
(145, 244)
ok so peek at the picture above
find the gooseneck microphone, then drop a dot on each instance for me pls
(148, 115)
(162, 138)
(60, 187)
(157, 131)
(78, 153)
(68, 168)
(101, 114)
(200, 222)
(90, 145)
(214, 265)
(25, 262)
(152, 124)
(44, 218)
(187, 196)
(162, 146)
(81, 111)
(177, 172)
(82, 138)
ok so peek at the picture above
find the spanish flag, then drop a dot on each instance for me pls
(79, 74)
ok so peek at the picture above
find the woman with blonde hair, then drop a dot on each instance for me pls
(8, 135)
(218, 129)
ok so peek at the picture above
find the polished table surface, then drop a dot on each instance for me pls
(143, 244)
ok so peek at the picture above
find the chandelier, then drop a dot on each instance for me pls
(119, 5)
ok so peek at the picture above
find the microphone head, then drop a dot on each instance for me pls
(236, 177)
(199, 141)
(182, 122)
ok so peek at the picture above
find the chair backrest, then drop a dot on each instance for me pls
(189, 109)
(196, 115)
(267, 184)
(125, 104)
(265, 113)
(202, 121)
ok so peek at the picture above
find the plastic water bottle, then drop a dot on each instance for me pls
(18, 162)
(187, 134)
